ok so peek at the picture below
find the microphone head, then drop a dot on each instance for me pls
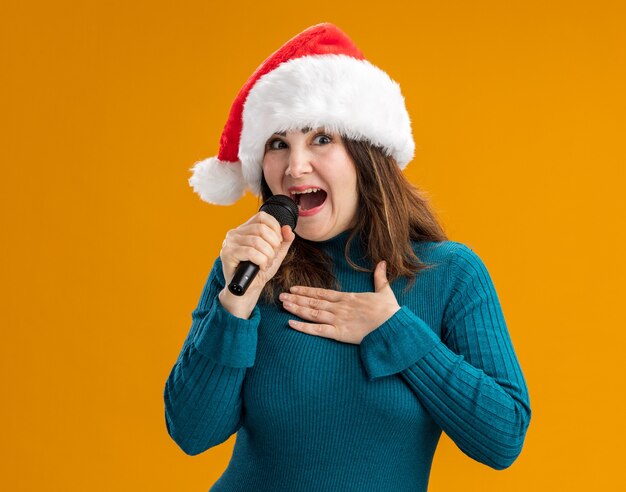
(283, 209)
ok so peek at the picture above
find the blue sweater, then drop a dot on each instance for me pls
(312, 413)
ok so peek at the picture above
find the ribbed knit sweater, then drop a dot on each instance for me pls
(315, 414)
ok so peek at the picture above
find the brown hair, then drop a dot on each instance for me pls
(392, 213)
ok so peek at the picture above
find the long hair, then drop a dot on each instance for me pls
(392, 213)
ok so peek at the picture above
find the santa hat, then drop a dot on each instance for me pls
(319, 78)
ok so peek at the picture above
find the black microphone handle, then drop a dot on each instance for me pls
(243, 277)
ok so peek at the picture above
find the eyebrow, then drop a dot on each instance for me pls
(304, 130)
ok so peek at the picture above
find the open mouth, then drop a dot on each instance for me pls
(310, 200)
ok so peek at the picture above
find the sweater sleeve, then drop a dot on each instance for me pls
(470, 380)
(202, 395)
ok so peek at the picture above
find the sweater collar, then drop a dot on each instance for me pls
(335, 246)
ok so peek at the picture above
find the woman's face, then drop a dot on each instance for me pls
(301, 159)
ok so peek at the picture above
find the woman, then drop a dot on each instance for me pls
(367, 332)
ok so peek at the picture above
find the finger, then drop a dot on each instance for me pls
(261, 221)
(310, 314)
(288, 234)
(318, 293)
(380, 277)
(322, 330)
(260, 244)
(271, 222)
(239, 251)
(266, 232)
(309, 302)
(249, 253)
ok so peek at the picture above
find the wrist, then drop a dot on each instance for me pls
(240, 306)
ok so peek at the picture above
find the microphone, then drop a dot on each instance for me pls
(283, 209)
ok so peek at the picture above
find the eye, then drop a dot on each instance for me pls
(272, 144)
(323, 142)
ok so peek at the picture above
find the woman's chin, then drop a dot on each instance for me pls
(307, 234)
(310, 232)
(312, 227)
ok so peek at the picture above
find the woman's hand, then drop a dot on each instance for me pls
(343, 316)
(260, 240)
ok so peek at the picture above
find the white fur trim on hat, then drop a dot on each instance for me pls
(217, 182)
(341, 93)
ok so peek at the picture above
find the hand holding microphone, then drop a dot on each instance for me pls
(253, 252)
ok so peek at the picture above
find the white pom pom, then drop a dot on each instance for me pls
(217, 182)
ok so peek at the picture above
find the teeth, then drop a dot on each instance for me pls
(308, 190)
(294, 195)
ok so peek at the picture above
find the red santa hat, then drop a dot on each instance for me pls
(319, 78)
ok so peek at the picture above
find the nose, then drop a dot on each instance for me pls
(299, 162)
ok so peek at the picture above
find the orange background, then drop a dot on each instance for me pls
(518, 113)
